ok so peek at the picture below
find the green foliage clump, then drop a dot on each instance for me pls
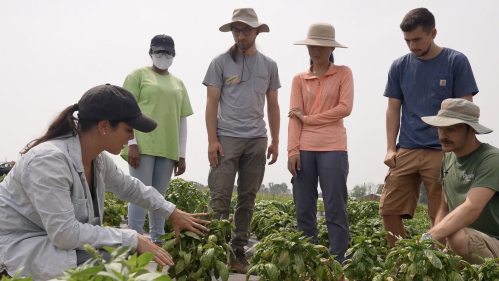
(419, 224)
(2, 177)
(113, 210)
(17, 275)
(320, 207)
(361, 209)
(122, 266)
(197, 257)
(272, 216)
(187, 197)
(367, 255)
(289, 256)
(488, 270)
(418, 261)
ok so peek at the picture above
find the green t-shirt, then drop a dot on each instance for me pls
(164, 99)
(480, 168)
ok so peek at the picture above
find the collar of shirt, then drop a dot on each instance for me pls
(330, 71)
(74, 150)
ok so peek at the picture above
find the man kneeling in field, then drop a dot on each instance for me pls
(469, 212)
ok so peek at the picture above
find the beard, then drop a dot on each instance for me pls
(425, 52)
(245, 46)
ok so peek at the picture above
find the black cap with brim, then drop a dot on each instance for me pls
(142, 123)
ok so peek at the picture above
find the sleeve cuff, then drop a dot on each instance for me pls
(132, 142)
(293, 152)
(168, 209)
(129, 238)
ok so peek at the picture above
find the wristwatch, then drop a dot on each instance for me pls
(426, 236)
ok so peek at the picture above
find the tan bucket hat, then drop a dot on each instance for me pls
(247, 16)
(321, 34)
(457, 111)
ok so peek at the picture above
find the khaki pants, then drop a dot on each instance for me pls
(481, 245)
(246, 157)
(400, 194)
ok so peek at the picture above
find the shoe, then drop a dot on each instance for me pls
(239, 262)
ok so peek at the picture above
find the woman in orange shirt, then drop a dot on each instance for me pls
(317, 143)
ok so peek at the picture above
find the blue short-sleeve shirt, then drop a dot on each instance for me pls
(422, 85)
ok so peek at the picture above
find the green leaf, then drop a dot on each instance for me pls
(110, 275)
(192, 234)
(433, 259)
(163, 278)
(179, 266)
(148, 276)
(144, 259)
(207, 257)
(454, 276)
(272, 272)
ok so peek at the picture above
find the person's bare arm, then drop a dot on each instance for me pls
(214, 147)
(274, 115)
(392, 130)
(463, 215)
(468, 97)
(442, 212)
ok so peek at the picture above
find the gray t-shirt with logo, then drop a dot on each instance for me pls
(243, 93)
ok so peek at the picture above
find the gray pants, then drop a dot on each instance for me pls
(330, 168)
(246, 157)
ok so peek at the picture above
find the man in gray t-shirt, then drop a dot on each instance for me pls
(238, 82)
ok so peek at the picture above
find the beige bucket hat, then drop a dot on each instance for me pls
(457, 111)
(247, 16)
(321, 34)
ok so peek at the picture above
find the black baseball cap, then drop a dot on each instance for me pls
(163, 42)
(113, 103)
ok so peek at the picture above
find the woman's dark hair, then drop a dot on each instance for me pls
(331, 59)
(418, 17)
(65, 124)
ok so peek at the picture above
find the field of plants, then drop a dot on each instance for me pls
(282, 253)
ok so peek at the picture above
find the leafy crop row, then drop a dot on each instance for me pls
(196, 257)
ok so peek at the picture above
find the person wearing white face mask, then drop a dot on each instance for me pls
(154, 157)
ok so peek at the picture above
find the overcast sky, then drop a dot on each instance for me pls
(51, 52)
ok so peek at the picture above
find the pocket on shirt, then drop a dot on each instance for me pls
(441, 86)
(262, 85)
(79, 201)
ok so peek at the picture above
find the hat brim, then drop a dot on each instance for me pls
(439, 121)
(255, 24)
(163, 48)
(320, 42)
(142, 123)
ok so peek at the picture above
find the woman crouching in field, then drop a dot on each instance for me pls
(51, 202)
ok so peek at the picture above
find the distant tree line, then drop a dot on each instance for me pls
(361, 190)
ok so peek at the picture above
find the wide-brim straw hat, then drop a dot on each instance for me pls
(247, 16)
(457, 111)
(321, 34)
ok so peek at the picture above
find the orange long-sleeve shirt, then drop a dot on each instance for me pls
(324, 102)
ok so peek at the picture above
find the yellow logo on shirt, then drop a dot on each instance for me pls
(232, 79)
